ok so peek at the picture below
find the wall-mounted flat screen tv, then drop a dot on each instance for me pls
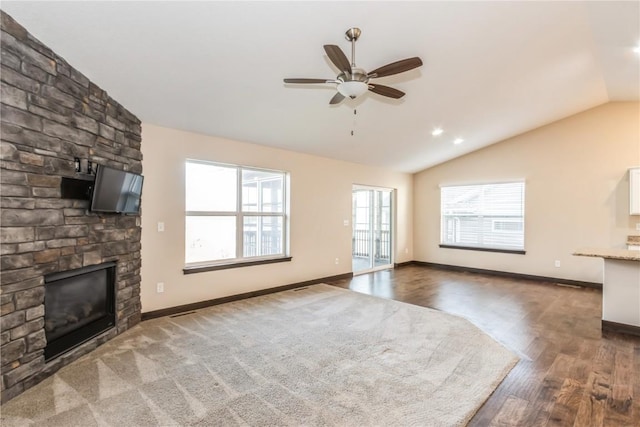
(116, 191)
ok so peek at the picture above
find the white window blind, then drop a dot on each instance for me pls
(483, 216)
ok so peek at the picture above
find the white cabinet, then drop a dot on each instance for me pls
(621, 292)
(634, 191)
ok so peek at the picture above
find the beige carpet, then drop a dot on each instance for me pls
(316, 356)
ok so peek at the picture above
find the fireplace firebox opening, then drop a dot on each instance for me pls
(78, 305)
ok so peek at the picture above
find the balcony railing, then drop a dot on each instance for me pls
(270, 244)
(361, 244)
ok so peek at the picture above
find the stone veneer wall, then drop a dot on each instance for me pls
(51, 113)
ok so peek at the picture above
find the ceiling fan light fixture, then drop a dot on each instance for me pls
(352, 89)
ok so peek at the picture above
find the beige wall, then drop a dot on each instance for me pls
(577, 193)
(320, 202)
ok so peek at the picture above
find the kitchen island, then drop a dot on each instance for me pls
(620, 288)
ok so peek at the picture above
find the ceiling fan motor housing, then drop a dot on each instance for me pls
(357, 75)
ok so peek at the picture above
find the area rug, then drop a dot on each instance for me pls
(315, 356)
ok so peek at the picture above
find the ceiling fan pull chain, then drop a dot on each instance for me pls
(354, 122)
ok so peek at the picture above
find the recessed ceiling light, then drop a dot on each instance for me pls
(458, 141)
(437, 131)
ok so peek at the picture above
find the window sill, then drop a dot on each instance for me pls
(214, 267)
(471, 248)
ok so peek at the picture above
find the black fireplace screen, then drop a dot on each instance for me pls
(79, 304)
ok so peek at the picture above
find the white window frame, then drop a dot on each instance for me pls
(239, 214)
(447, 218)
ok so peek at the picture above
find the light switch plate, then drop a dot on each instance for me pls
(161, 226)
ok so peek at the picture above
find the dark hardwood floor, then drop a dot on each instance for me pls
(570, 373)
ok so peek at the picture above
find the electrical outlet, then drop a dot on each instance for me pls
(557, 263)
(638, 226)
(345, 222)
(160, 287)
(406, 250)
(161, 226)
(337, 261)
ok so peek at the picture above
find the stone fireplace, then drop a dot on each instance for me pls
(50, 115)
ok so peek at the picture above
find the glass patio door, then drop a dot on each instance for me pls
(372, 229)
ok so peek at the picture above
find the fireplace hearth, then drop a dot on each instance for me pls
(79, 304)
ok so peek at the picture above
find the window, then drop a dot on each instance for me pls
(485, 216)
(234, 214)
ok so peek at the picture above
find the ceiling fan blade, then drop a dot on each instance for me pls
(386, 91)
(396, 67)
(339, 59)
(337, 98)
(305, 81)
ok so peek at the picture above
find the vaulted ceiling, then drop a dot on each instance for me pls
(491, 69)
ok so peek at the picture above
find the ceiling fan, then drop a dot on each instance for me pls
(354, 81)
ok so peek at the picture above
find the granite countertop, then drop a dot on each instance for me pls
(623, 254)
(633, 240)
